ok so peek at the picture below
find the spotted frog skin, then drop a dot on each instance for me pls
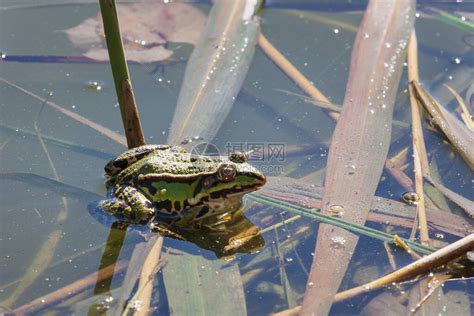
(169, 185)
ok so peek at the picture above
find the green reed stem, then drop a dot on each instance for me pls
(123, 85)
(312, 213)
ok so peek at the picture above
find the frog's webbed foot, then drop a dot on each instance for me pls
(129, 203)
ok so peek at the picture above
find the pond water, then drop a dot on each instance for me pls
(52, 164)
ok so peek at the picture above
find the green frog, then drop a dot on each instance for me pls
(169, 185)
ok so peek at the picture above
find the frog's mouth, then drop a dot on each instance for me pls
(236, 191)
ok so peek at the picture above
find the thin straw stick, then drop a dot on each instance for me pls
(292, 72)
(425, 264)
(419, 150)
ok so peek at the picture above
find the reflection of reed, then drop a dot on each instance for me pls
(110, 255)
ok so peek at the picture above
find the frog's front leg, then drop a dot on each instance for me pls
(129, 203)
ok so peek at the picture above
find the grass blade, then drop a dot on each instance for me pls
(360, 142)
(297, 193)
(465, 114)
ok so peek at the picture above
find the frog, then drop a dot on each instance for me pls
(168, 185)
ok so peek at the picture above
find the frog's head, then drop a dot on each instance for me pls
(223, 188)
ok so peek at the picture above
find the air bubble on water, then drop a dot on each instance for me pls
(352, 169)
(109, 299)
(411, 198)
(105, 304)
(337, 242)
(336, 210)
(135, 305)
(94, 85)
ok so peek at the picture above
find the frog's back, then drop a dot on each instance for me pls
(177, 163)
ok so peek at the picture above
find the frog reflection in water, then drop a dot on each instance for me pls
(169, 186)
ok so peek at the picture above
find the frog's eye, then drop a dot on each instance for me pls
(238, 157)
(226, 172)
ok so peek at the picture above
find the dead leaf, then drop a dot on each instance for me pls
(145, 27)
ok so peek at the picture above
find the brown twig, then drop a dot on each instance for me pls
(419, 149)
(423, 265)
